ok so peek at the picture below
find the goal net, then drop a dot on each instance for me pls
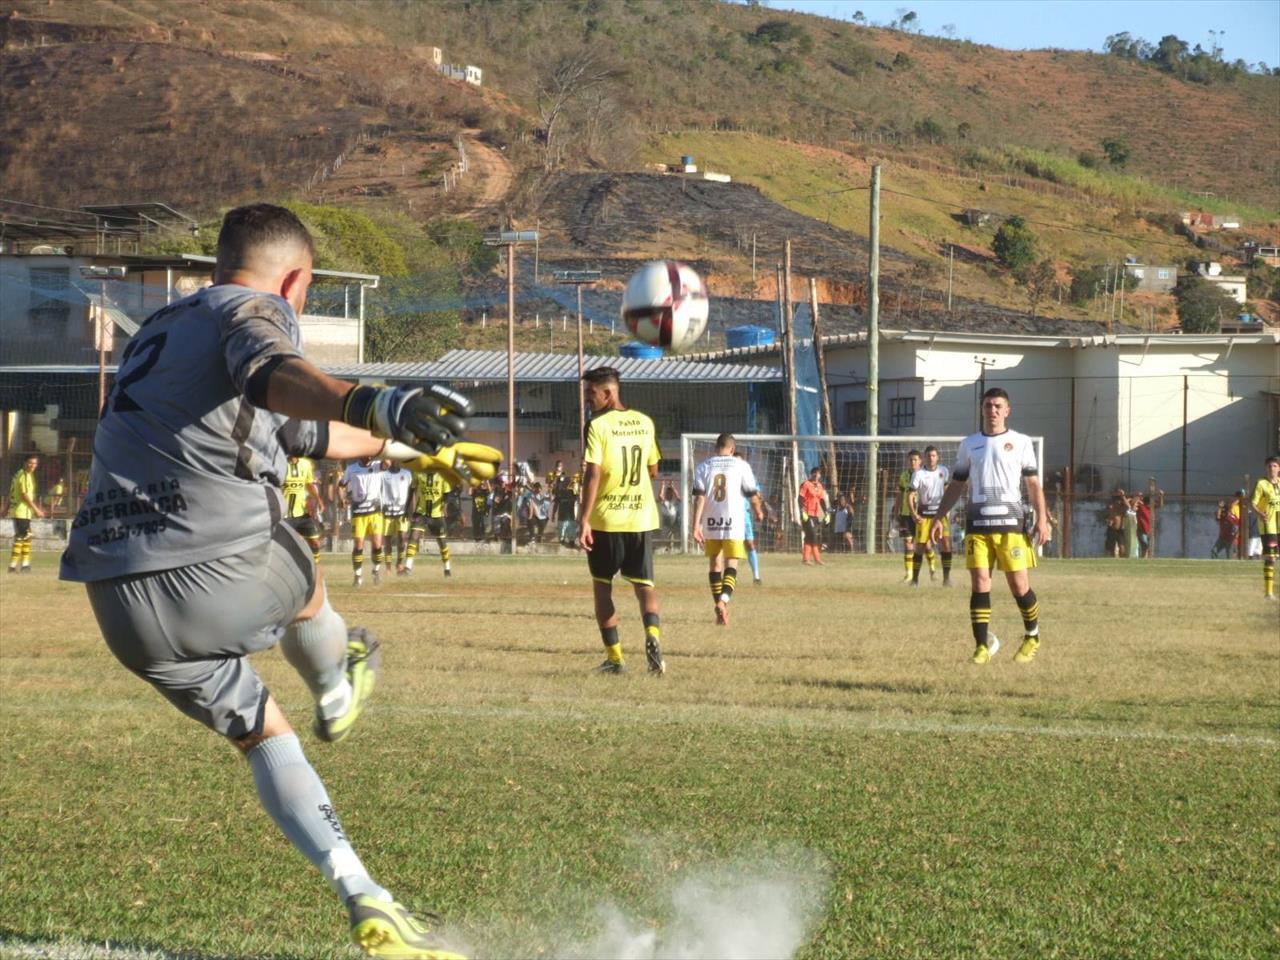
(781, 463)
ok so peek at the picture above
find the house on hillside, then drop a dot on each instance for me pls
(1210, 221)
(1154, 278)
(1270, 255)
(1234, 285)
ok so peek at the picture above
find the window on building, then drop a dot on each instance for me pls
(902, 412)
(1163, 273)
(855, 416)
(50, 298)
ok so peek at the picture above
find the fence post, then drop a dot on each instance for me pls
(1068, 505)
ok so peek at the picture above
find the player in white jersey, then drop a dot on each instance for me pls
(187, 561)
(995, 464)
(722, 487)
(361, 487)
(928, 483)
(396, 483)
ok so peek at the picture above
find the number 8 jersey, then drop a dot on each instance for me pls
(725, 482)
(622, 445)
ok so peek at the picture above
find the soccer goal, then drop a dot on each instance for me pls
(860, 474)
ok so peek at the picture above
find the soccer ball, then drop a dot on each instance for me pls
(665, 304)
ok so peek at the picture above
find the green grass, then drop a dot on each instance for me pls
(1118, 797)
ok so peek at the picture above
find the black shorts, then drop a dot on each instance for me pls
(433, 524)
(306, 526)
(21, 528)
(812, 531)
(906, 527)
(630, 554)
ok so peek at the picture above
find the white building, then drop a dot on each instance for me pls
(1235, 286)
(1196, 413)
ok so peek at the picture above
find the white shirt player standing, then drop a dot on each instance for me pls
(995, 464)
(362, 483)
(722, 486)
(928, 484)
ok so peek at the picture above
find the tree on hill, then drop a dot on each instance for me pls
(1015, 244)
(1202, 306)
(1037, 281)
(1117, 151)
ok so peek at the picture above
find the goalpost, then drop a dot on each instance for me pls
(782, 462)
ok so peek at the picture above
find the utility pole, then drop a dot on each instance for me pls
(105, 327)
(819, 356)
(873, 365)
(951, 269)
(509, 239)
(789, 339)
(753, 263)
(579, 279)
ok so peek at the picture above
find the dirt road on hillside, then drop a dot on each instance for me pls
(490, 172)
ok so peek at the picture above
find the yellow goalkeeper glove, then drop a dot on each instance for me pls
(462, 463)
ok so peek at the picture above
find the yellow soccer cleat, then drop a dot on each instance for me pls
(1027, 652)
(985, 651)
(364, 657)
(386, 929)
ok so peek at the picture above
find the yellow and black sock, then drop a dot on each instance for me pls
(908, 561)
(946, 566)
(652, 628)
(1269, 575)
(377, 559)
(730, 581)
(917, 561)
(717, 585)
(357, 560)
(444, 550)
(413, 550)
(15, 554)
(314, 543)
(933, 559)
(980, 616)
(612, 645)
(1030, 608)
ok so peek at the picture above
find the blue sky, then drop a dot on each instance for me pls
(1248, 29)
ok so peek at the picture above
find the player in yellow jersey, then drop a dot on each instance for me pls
(427, 507)
(618, 514)
(302, 501)
(23, 508)
(1266, 504)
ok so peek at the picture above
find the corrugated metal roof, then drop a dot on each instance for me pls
(491, 365)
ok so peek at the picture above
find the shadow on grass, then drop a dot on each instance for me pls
(857, 686)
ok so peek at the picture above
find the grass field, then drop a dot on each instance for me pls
(830, 776)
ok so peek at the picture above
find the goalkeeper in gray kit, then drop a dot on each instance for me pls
(183, 547)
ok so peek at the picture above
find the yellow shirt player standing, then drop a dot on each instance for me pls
(618, 513)
(23, 508)
(300, 493)
(427, 505)
(1266, 504)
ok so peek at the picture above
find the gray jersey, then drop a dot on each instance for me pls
(185, 468)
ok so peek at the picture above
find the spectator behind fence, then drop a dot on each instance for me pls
(1227, 516)
(1113, 519)
(1143, 510)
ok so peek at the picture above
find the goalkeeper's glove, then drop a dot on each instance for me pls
(462, 464)
(426, 418)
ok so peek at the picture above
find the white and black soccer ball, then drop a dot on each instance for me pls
(665, 304)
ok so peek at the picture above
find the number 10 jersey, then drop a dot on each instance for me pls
(622, 445)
